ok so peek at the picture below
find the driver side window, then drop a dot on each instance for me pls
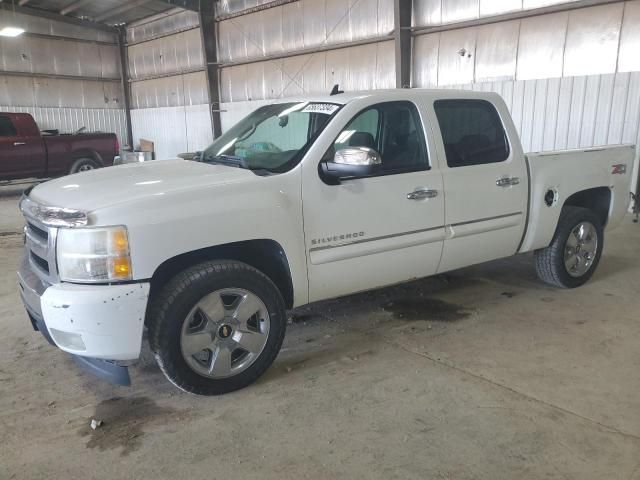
(394, 130)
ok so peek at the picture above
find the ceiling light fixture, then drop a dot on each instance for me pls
(11, 31)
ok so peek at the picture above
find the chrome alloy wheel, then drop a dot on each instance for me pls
(580, 249)
(224, 333)
(85, 167)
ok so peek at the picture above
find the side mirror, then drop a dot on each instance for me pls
(349, 163)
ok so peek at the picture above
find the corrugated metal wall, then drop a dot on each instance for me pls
(587, 41)
(572, 112)
(570, 78)
(361, 67)
(29, 65)
(301, 25)
(169, 97)
(442, 12)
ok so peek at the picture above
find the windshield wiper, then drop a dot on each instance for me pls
(229, 161)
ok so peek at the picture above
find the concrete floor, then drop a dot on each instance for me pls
(484, 373)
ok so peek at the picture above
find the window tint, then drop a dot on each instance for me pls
(394, 130)
(6, 128)
(472, 132)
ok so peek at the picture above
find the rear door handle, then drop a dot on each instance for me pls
(17, 144)
(507, 181)
(422, 194)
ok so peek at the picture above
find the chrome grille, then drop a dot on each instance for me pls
(40, 245)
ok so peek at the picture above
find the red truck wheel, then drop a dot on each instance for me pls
(83, 165)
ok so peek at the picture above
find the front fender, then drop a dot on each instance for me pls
(162, 227)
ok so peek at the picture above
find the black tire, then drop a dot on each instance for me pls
(178, 297)
(83, 165)
(550, 264)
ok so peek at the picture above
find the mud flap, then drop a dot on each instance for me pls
(104, 370)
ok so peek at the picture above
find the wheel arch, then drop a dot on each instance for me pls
(596, 199)
(265, 255)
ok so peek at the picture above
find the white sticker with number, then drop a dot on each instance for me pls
(326, 108)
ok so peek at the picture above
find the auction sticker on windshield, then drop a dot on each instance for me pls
(326, 108)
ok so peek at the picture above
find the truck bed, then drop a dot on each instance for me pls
(563, 171)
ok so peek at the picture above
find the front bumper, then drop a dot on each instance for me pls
(102, 322)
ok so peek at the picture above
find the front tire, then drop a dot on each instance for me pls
(574, 253)
(216, 327)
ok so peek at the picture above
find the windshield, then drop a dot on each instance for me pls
(273, 138)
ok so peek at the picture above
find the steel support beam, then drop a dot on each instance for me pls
(258, 8)
(308, 51)
(126, 88)
(402, 40)
(66, 39)
(124, 8)
(209, 35)
(194, 5)
(13, 73)
(72, 7)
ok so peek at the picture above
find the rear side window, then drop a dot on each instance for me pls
(472, 132)
(6, 127)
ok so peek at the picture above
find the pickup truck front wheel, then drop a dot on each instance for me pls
(216, 327)
(574, 253)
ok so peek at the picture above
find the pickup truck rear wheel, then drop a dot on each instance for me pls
(216, 327)
(574, 253)
(83, 165)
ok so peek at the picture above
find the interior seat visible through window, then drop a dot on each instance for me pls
(394, 130)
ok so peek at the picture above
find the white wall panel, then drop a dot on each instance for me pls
(59, 57)
(427, 12)
(303, 24)
(629, 59)
(361, 67)
(173, 21)
(497, 7)
(580, 42)
(173, 54)
(456, 58)
(541, 46)
(53, 92)
(496, 50)
(592, 40)
(439, 12)
(51, 27)
(173, 130)
(459, 10)
(187, 89)
(572, 112)
(425, 60)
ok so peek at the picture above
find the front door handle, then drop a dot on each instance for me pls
(17, 144)
(422, 194)
(507, 181)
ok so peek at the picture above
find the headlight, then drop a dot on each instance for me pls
(94, 254)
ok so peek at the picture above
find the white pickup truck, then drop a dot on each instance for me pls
(301, 201)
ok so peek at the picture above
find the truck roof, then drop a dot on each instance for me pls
(390, 94)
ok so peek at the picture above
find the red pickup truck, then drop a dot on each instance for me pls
(25, 152)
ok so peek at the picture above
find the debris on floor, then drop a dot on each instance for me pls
(96, 424)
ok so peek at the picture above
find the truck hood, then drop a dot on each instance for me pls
(106, 187)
